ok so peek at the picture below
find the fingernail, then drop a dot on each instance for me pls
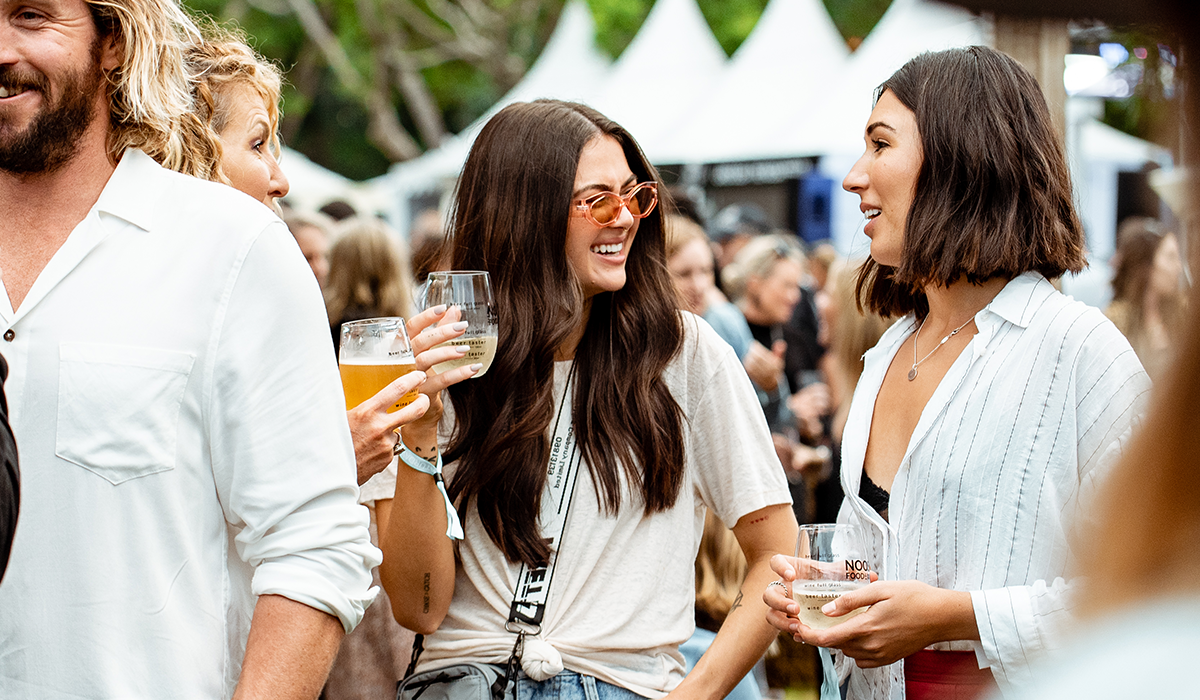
(828, 608)
(477, 366)
(439, 309)
(459, 326)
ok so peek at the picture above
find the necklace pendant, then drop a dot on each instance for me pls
(912, 373)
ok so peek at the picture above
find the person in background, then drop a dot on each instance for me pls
(368, 274)
(763, 281)
(189, 524)
(983, 420)
(849, 332)
(312, 233)
(1148, 298)
(690, 262)
(731, 229)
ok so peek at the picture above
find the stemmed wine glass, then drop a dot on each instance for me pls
(471, 292)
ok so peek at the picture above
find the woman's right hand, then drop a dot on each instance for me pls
(428, 330)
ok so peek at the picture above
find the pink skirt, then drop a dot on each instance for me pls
(946, 675)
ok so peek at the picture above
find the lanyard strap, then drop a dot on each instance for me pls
(533, 585)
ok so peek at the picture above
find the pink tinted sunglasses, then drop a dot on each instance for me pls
(602, 209)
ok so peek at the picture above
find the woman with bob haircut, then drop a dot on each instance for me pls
(558, 204)
(985, 417)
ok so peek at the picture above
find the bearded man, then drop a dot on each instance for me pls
(189, 525)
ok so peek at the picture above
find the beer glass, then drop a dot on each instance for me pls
(831, 560)
(372, 354)
(471, 292)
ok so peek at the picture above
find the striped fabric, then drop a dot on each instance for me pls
(1000, 468)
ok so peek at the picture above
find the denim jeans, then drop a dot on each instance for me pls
(569, 685)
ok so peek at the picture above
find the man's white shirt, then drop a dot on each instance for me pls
(183, 447)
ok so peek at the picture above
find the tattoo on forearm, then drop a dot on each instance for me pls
(425, 608)
(737, 603)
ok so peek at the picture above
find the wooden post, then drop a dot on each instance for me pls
(1041, 45)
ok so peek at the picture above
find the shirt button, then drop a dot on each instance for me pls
(9, 335)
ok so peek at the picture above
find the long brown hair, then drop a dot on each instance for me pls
(1138, 241)
(510, 218)
(367, 269)
(993, 196)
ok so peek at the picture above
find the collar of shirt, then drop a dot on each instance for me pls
(130, 196)
(132, 192)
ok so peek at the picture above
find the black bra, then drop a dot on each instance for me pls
(874, 495)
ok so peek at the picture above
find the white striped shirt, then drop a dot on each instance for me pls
(1028, 419)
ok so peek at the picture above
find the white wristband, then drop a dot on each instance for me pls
(453, 527)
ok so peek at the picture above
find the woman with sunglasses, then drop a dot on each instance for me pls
(560, 206)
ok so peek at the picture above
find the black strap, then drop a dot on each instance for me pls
(418, 647)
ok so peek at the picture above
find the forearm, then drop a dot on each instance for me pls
(746, 633)
(289, 652)
(739, 644)
(418, 558)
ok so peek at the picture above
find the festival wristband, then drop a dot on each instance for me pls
(453, 528)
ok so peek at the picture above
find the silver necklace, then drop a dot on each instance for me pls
(912, 373)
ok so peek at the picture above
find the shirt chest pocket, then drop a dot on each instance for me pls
(118, 408)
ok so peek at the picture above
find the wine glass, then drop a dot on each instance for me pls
(471, 292)
(372, 354)
(831, 560)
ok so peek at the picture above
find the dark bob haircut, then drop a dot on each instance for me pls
(993, 196)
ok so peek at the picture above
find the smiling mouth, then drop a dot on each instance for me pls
(607, 249)
(11, 91)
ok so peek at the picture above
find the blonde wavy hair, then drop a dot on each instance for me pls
(216, 64)
(367, 268)
(148, 93)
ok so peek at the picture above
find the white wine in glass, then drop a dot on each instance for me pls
(471, 292)
(831, 562)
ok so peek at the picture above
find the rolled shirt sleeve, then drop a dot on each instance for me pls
(282, 456)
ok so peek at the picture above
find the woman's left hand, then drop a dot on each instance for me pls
(904, 617)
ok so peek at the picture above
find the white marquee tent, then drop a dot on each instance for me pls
(792, 56)
(664, 72)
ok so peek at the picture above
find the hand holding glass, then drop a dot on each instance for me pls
(372, 354)
(471, 292)
(831, 561)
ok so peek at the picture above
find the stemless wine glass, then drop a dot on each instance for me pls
(372, 354)
(471, 292)
(831, 561)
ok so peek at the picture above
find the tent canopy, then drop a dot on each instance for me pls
(793, 55)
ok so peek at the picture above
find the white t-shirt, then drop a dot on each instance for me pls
(623, 593)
